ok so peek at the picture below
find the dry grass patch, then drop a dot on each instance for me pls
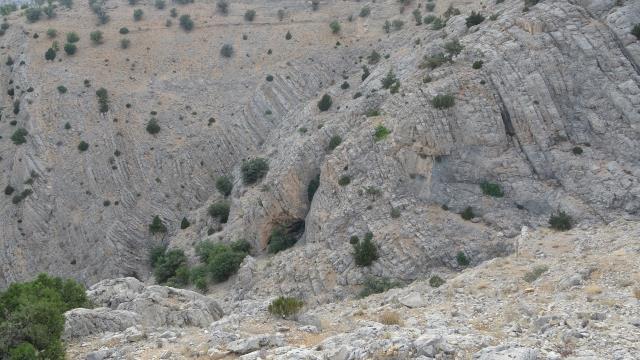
(593, 290)
(390, 318)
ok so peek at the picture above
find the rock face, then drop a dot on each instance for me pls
(123, 303)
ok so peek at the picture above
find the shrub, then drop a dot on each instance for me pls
(249, 15)
(395, 213)
(72, 37)
(281, 14)
(577, 150)
(184, 223)
(70, 48)
(124, 30)
(334, 142)
(16, 107)
(288, 36)
(365, 73)
(222, 6)
(389, 79)
(373, 58)
(443, 101)
(153, 127)
(453, 47)
(9, 190)
(269, 78)
(436, 281)
(83, 146)
(390, 318)
(173, 12)
(373, 285)
(186, 23)
(226, 50)
(160, 4)
(137, 14)
(103, 100)
(285, 306)
(224, 264)
(224, 184)
(438, 23)
(157, 226)
(417, 16)
(125, 43)
(397, 24)
(365, 252)
(430, 6)
(33, 14)
(220, 211)
(335, 26)
(380, 133)
(560, 221)
(429, 19)
(170, 265)
(345, 85)
(325, 102)
(491, 189)
(19, 136)
(636, 31)
(313, 187)
(451, 11)
(96, 37)
(344, 180)
(365, 11)
(474, 19)
(477, 64)
(467, 214)
(254, 170)
(280, 239)
(62, 89)
(534, 274)
(433, 61)
(50, 54)
(51, 33)
(32, 317)
(462, 259)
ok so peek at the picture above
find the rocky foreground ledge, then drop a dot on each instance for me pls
(572, 295)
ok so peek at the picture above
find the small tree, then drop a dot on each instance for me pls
(453, 47)
(365, 11)
(462, 259)
(288, 36)
(157, 226)
(389, 80)
(254, 170)
(397, 24)
(186, 23)
(417, 16)
(70, 48)
(335, 26)
(491, 189)
(19, 136)
(96, 37)
(468, 214)
(153, 127)
(249, 15)
(313, 187)
(220, 211)
(33, 14)
(226, 50)
(365, 252)
(184, 223)
(50, 54)
(83, 146)
(137, 14)
(325, 102)
(224, 184)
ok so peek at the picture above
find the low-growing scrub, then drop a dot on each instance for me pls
(157, 226)
(334, 142)
(365, 252)
(325, 102)
(224, 184)
(436, 281)
(381, 133)
(560, 221)
(491, 189)
(375, 285)
(254, 170)
(285, 307)
(220, 211)
(281, 239)
(535, 273)
(462, 259)
(468, 214)
(443, 101)
(474, 19)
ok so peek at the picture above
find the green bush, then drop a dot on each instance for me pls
(269, 78)
(62, 89)
(226, 50)
(224, 184)
(249, 15)
(157, 226)
(491, 189)
(186, 23)
(477, 64)
(124, 31)
(96, 37)
(389, 79)
(462, 259)
(137, 14)
(374, 285)
(253, 170)
(50, 54)
(438, 23)
(222, 6)
(365, 252)
(72, 37)
(70, 48)
(280, 239)
(184, 223)
(560, 221)
(19, 136)
(395, 213)
(124, 43)
(417, 16)
(453, 47)
(365, 11)
(436, 281)
(285, 306)
(160, 4)
(83, 146)
(169, 266)
(325, 102)
(345, 85)
(429, 19)
(220, 211)
(334, 142)
(103, 100)
(636, 31)
(397, 24)
(474, 19)
(32, 317)
(33, 14)
(288, 36)
(577, 150)
(443, 101)
(313, 187)
(373, 58)
(468, 214)
(153, 127)
(224, 264)
(433, 61)
(344, 180)
(9, 190)
(534, 274)
(380, 133)
(335, 26)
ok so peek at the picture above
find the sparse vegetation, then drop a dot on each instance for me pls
(313, 187)
(33, 14)
(19, 136)
(137, 14)
(72, 37)
(325, 102)
(96, 37)
(344, 180)
(365, 11)
(51, 33)
(226, 50)
(390, 318)
(453, 47)
(389, 80)
(560, 221)
(125, 43)
(220, 211)
(249, 15)
(280, 239)
(157, 226)
(468, 214)
(124, 30)
(491, 189)
(374, 285)
(365, 252)
(186, 23)
(477, 64)
(103, 100)
(373, 58)
(436, 281)
(334, 142)
(380, 133)
(577, 150)
(443, 101)
(222, 6)
(70, 48)
(462, 259)
(335, 26)
(635, 31)
(285, 307)
(159, 4)
(224, 184)
(253, 170)
(474, 19)
(83, 146)
(534, 274)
